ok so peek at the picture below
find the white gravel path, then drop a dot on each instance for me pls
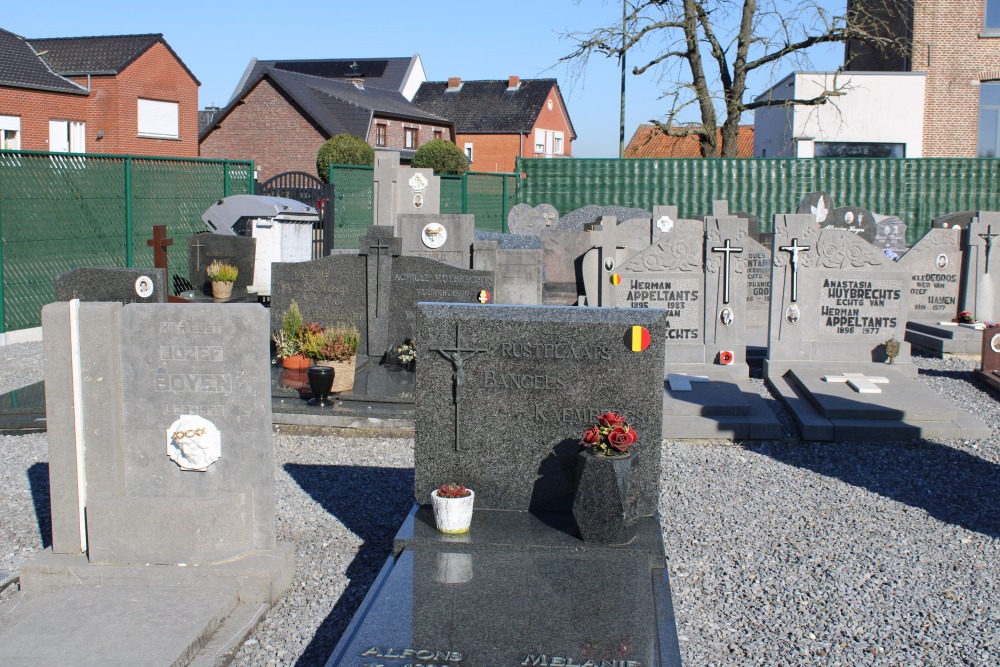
(780, 553)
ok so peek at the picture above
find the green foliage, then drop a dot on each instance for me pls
(442, 156)
(291, 321)
(221, 272)
(343, 149)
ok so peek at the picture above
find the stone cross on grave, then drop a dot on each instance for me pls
(859, 382)
(604, 233)
(988, 237)
(380, 246)
(159, 243)
(793, 250)
(458, 356)
(728, 250)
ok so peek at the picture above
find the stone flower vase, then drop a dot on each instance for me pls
(453, 515)
(343, 373)
(221, 290)
(605, 505)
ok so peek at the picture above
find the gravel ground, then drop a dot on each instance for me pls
(780, 553)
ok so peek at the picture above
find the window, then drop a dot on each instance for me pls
(548, 143)
(988, 142)
(438, 134)
(67, 136)
(468, 151)
(859, 149)
(992, 14)
(10, 133)
(158, 120)
(409, 137)
(380, 131)
(557, 143)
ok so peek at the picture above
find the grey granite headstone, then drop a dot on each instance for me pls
(959, 220)
(381, 248)
(203, 249)
(981, 282)
(581, 217)
(531, 220)
(562, 258)
(109, 283)
(758, 267)
(518, 271)
(443, 237)
(613, 243)
(401, 190)
(504, 394)
(934, 266)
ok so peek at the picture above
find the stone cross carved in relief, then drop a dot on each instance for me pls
(727, 250)
(988, 237)
(458, 356)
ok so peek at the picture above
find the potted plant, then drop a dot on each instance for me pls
(222, 275)
(607, 481)
(452, 505)
(288, 339)
(335, 346)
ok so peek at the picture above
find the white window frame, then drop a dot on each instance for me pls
(468, 152)
(75, 133)
(10, 131)
(158, 119)
(410, 137)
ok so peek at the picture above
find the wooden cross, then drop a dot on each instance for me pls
(728, 250)
(859, 382)
(458, 356)
(159, 243)
(988, 237)
(793, 250)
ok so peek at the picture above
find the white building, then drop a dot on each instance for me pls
(877, 114)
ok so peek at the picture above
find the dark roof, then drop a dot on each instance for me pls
(108, 55)
(20, 67)
(335, 106)
(488, 107)
(384, 73)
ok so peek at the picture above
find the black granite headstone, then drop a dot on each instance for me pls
(110, 283)
(203, 249)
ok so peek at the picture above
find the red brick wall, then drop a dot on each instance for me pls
(269, 130)
(947, 45)
(394, 132)
(112, 108)
(499, 152)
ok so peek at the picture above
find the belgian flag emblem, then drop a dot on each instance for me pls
(616, 279)
(638, 338)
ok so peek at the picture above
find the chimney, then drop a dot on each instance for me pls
(513, 82)
(454, 83)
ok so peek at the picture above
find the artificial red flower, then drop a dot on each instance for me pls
(592, 436)
(610, 419)
(620, 438)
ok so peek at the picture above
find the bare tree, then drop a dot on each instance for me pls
(705, 50)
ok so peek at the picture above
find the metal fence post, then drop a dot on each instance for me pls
(128, 211)
(225, 178)
(329, 191)
(3, 325)
(465, 193)
(503, 204)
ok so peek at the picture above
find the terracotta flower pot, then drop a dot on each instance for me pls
(221, 290)
(296, 362)
(343, 378)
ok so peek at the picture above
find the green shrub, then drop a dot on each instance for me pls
(442, 156)
(343, 149)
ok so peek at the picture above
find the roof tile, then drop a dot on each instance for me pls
(650, 142)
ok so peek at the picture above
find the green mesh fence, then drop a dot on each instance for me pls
(916, 190)
(451, 194)
(487, 197)
(63, 211)
(353, 203)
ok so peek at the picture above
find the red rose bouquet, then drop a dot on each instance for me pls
(610, 436)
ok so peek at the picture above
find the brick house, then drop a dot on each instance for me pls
(280, 116)
(957, 46)
(127, 94)
(496, 121)
(649, 142)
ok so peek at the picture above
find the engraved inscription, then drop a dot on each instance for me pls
(415, 657)
(191, 353)
(185, 327)
(188, 408)
(543, 660)
(934, 292)
(436, 278)
(679, 297)
(859, 307)
(199, 383)
(575, 351)
(758, 280)
(537, 412)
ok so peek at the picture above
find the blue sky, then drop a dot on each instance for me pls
(216, 40)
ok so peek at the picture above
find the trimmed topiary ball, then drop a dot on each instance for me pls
(442, 156)
(343, 149)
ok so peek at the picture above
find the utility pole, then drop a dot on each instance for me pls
(621, 126)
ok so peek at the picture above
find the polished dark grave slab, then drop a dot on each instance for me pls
(518, 589)
(382, 397)
(23, 410)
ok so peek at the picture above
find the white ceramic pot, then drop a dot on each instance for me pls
(453, 515)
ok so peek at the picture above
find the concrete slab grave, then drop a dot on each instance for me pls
(504, 394)
(837, 313)
(162, 483)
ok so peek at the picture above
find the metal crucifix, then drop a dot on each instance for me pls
(988, 237)
(458, 356)
(794, 250)
(727, 250)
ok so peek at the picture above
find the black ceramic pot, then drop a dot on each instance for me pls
(605, 505)
(320, 382)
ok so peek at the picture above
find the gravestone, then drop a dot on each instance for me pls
(504, 394)
(935, 267)
(403, 190)
(890, 235)
(377, 289)
(205, 248)
(162, 485)
(958, 220)
(518, 270)
(446, 238)
(562, 258)
(981, 267)
(836, 302)
(854, 219)
(579, 219)
(110, 283)
(989, 366)
(532, 220)
(720, 209)
(613, 242)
